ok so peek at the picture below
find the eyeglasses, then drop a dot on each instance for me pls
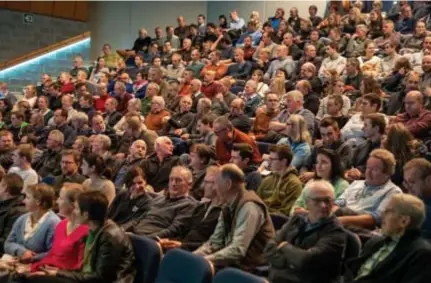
(219, 131)
(326, 200)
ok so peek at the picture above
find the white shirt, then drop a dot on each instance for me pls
(28, 176)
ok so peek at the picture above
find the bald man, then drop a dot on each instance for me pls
(282, 62)
(416, 118)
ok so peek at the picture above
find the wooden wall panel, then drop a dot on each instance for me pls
(42, 7)
(23, 6)
(64, 9)
(81, 11)
(71, 10)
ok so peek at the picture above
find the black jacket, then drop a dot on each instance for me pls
(158, 173)
(48, 164)
(113, 118)
(242, 123)
(10, 210)
(123, 210)
(407, 263)
(167, 217)
(310, 255)
(112, 258)
(200, 229)
(312, 102)
(361, 153)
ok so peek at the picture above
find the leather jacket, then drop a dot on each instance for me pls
(112, 258)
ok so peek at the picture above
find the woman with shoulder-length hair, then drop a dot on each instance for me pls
(403, 145)
(99, 175)
(67, 250)
(298, 138)
(31, 236)
(328, 167)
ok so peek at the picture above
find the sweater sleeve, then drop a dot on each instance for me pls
(11, 247)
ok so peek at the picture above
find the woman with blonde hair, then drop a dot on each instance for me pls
(262, 88)
(277, 86)
(350, 21)
(298, 138)
(67, 250)
(255, 18)
(403, 145)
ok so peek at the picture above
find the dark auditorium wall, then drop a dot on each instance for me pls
(17, 38)
(118, 22)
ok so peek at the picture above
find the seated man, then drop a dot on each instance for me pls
(280, 190)
(241, 156)
(123, 167)
(132, 203)
(260, 128)
(241, 69)
(170, 213)
(7, 148)
(315, 255)
(11, 204)
(98, 127)
(70, 165)
(237, 116)
(22, 165)
(401, 255)
(109, 253)
(49, 162)
(251, 98)
(244, 227)
(135, 131)
(158, 165)
(353, 130)
(331, 139)
(417, 181)
(226, 136)
(416, 118)
(374, 128)
(204, 218)
(363, 202)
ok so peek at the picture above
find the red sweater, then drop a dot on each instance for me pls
(419, 126)
(67, 88)
(67, 252)
(99, 103)
(223, 149)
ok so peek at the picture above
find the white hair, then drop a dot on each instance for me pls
(321, 184)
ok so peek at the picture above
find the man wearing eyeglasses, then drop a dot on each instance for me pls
(400, 256)
(309, 248)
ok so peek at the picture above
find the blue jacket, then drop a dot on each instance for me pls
(40, 243)
(301, 152)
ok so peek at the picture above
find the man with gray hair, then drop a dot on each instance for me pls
(243, 229)
(401, 255)
(158, 165)
(170, 212)
(309, 248)
(417, 181)
(251, 98)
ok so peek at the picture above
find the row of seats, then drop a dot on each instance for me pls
(179, 266)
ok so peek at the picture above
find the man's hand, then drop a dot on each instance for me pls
(299, 210)
(282, 244)
(120, 156)
(27, 257)
(49, 270)
(185, 136)
(306, 176)
(353, 174)
(178, 132)
(170, 244)
(219, 97)
(165, 119)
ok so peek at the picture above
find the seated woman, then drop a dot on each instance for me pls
(328, 168)
(299, 140)
(67, 250)
(108, 253)
(140, 84)
(99, 175)
(370, 63)
(262, 88)
(31, 237)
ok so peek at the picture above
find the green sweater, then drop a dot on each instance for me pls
(280, 192)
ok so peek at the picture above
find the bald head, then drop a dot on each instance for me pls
(414, 103)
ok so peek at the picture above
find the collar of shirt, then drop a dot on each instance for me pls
(250, 97)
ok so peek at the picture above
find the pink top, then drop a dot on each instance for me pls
(67, 252)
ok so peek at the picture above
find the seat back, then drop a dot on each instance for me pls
(278, 220)
(233, 275)
(148, 254)
(180, 266)
(351, 250)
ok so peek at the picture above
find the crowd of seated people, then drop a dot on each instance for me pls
(269, 146)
